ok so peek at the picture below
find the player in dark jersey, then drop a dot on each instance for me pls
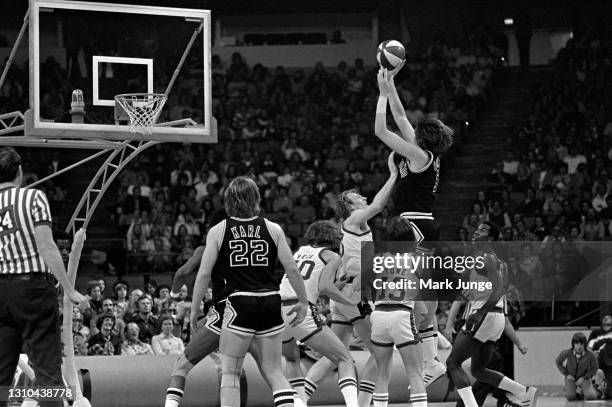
(245, 248)
(205, 333)
(415, 192)
(484, 324)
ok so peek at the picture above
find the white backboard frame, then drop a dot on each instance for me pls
(40, 128)
(95, 76)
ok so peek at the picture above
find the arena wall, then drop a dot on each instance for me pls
(141, 381)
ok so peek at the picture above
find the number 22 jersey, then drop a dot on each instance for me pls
(311, 265)
(247, 255)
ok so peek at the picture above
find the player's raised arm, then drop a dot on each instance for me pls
(359, 216)
(180, 277)
(397, 110)
(326, 282)
(209, 258)
(415, 154)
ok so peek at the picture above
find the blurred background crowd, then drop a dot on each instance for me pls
(305, 135)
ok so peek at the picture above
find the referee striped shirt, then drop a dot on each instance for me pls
(21, 209)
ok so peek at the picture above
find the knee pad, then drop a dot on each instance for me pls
(182, 366)
(231, 369)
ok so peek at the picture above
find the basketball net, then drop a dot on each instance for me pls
(142, 109)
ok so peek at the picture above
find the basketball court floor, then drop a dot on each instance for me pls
(541, 402)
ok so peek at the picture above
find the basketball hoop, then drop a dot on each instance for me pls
(142, 109)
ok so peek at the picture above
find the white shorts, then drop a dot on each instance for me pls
(310, 326)
(393, 326)
(347, 314)
(491, 328)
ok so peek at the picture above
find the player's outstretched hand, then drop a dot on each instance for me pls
(76, 297)
(383, 82)
(523, 349)
(394, 71)
(391, 163)
(299, 310)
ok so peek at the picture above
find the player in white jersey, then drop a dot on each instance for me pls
(485, 322)
(355, 212)
(393, 322)
(317, 264)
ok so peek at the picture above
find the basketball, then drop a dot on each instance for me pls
(390, 54)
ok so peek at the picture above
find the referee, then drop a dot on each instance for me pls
(29, 315)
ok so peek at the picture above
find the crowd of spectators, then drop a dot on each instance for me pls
(553, 185)
(137, 322)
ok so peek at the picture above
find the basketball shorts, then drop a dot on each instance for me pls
(426, 229)
(206, 337)
(310, 326)
(393, 325)
(491, 328)
(214, 319)
(254, 313)
(348, 314)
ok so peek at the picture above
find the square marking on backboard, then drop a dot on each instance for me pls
(98, 59)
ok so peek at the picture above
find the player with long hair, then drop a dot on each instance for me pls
(355, 213)
(419, 150)
(484, 324)
(393, 323)
(245, 247)
(318, 265)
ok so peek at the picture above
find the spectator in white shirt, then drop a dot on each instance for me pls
(166, 343)
(510, 165)
(174, 175)
(201, 184)
(286, 179)
(599, 201)
(573, 159)
(290, 146)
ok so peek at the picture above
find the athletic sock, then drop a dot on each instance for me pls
(513, 387)
(418, 400)
(173, 397)
(309, 388)
(284, 397)
(468, 397)
(299, 402)
(429, 351)
(380, 399)
(366, 388)
(348, 388)
(298, 385)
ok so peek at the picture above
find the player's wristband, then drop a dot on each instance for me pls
(381, 107)
(174, 295)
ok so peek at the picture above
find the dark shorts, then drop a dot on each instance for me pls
(214, 319)
(254, 313)
(426, 229)
(426, 233)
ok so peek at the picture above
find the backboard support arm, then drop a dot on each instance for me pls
(183, 58)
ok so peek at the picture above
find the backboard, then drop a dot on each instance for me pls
(108, 49)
